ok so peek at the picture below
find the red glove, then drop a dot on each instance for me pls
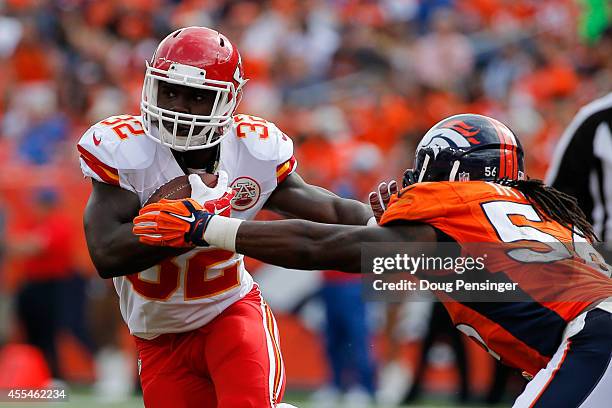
(222, 205)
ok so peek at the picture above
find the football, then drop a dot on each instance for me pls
(179, 187)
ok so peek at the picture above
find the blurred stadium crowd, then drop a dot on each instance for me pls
(355, 83)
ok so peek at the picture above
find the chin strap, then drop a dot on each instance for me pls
(211, 167)
(214, 165)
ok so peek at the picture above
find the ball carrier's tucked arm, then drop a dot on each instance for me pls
(114, 250)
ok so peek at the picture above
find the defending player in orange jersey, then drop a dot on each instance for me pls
(468, 186)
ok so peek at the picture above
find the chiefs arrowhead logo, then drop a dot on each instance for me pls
(247, 193)
(96, 140)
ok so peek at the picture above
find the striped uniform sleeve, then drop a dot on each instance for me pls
(96, 169)
(581, 165)
(285, 159)
(284, 169)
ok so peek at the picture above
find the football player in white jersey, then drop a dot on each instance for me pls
(205, 337)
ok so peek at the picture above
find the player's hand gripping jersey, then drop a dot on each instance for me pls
(186, 292)
(521, 334)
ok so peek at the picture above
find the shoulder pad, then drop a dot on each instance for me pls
(417, 202)
(434, 200)
(454, 191)
(119, 142)
(263, 139)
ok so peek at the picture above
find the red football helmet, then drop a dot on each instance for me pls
(201, 58)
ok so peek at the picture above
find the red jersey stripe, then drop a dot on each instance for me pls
(285, 169)
(107, 173)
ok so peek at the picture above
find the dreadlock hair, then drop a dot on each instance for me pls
(554, 205)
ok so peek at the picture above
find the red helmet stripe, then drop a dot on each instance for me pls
(514, 164)
(507, 158)
(511, 144)
(509, 152)
(502, 150)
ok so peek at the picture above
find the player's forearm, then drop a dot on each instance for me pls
(343, 211)
(296, 199)
(119, 252)
(300, 245)
(351, 212)
(303, 244)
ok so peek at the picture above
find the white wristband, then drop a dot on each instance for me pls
(372, 221)
(221, 232)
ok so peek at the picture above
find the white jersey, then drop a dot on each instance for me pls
(188, 291)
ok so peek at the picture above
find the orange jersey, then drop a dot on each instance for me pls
(545, 259)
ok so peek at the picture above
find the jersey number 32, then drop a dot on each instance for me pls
(203, 277)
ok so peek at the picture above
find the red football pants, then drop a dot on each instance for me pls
(232, 362)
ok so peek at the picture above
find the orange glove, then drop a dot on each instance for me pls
(169, 222)
(179, 223)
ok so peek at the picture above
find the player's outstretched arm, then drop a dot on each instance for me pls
(113, 248)
(308, 245)
(290, 243)
(295, 198)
